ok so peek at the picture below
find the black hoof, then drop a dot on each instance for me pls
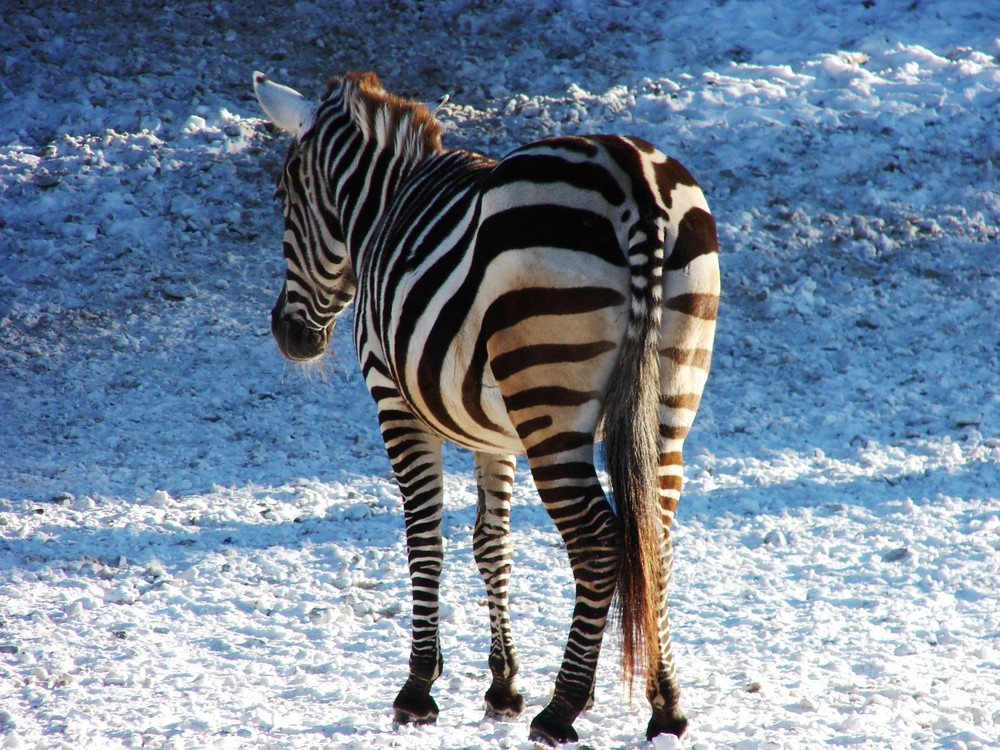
(503, 703)
(401, 717)
(547, 729)
(411, 708)
(675, 725)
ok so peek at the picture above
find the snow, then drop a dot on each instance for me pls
(201, 546)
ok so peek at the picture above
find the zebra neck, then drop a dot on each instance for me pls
(365, 184)
(373, 141)
(367, 177)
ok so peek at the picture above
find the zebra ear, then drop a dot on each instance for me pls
(435, 107)
(286, 108)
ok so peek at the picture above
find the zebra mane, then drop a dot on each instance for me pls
(408, 127)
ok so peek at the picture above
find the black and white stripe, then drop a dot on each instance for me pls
(521, 306)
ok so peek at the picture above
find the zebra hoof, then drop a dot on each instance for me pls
(503, 703)
(414, 709)
(401, 717)
(675, 724)
(547, 729)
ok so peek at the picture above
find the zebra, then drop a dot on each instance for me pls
(524, 306)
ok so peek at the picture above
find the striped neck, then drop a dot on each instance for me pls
(366, 142)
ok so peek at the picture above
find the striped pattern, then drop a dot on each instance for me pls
(522, 306)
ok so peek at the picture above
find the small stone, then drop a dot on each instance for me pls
(774, 538)
(47, 180)
(900, 554)
(319, 615)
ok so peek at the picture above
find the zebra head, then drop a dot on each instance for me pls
(319, 280)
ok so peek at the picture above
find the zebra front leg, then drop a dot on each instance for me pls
(416, 462)
(493, 551)
(573, 497)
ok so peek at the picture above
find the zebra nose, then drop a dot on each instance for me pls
(286, 325)
(295, 339)
(293, 325)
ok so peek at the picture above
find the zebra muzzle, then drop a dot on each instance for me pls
(296, 339)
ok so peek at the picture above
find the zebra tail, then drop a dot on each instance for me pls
(631, 427)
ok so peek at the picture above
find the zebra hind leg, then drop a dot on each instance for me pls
(663, 689)
(492, 548)
(572, 494)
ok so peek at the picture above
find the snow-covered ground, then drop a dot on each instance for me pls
(201, 546)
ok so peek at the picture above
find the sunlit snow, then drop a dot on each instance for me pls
(201, 546)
